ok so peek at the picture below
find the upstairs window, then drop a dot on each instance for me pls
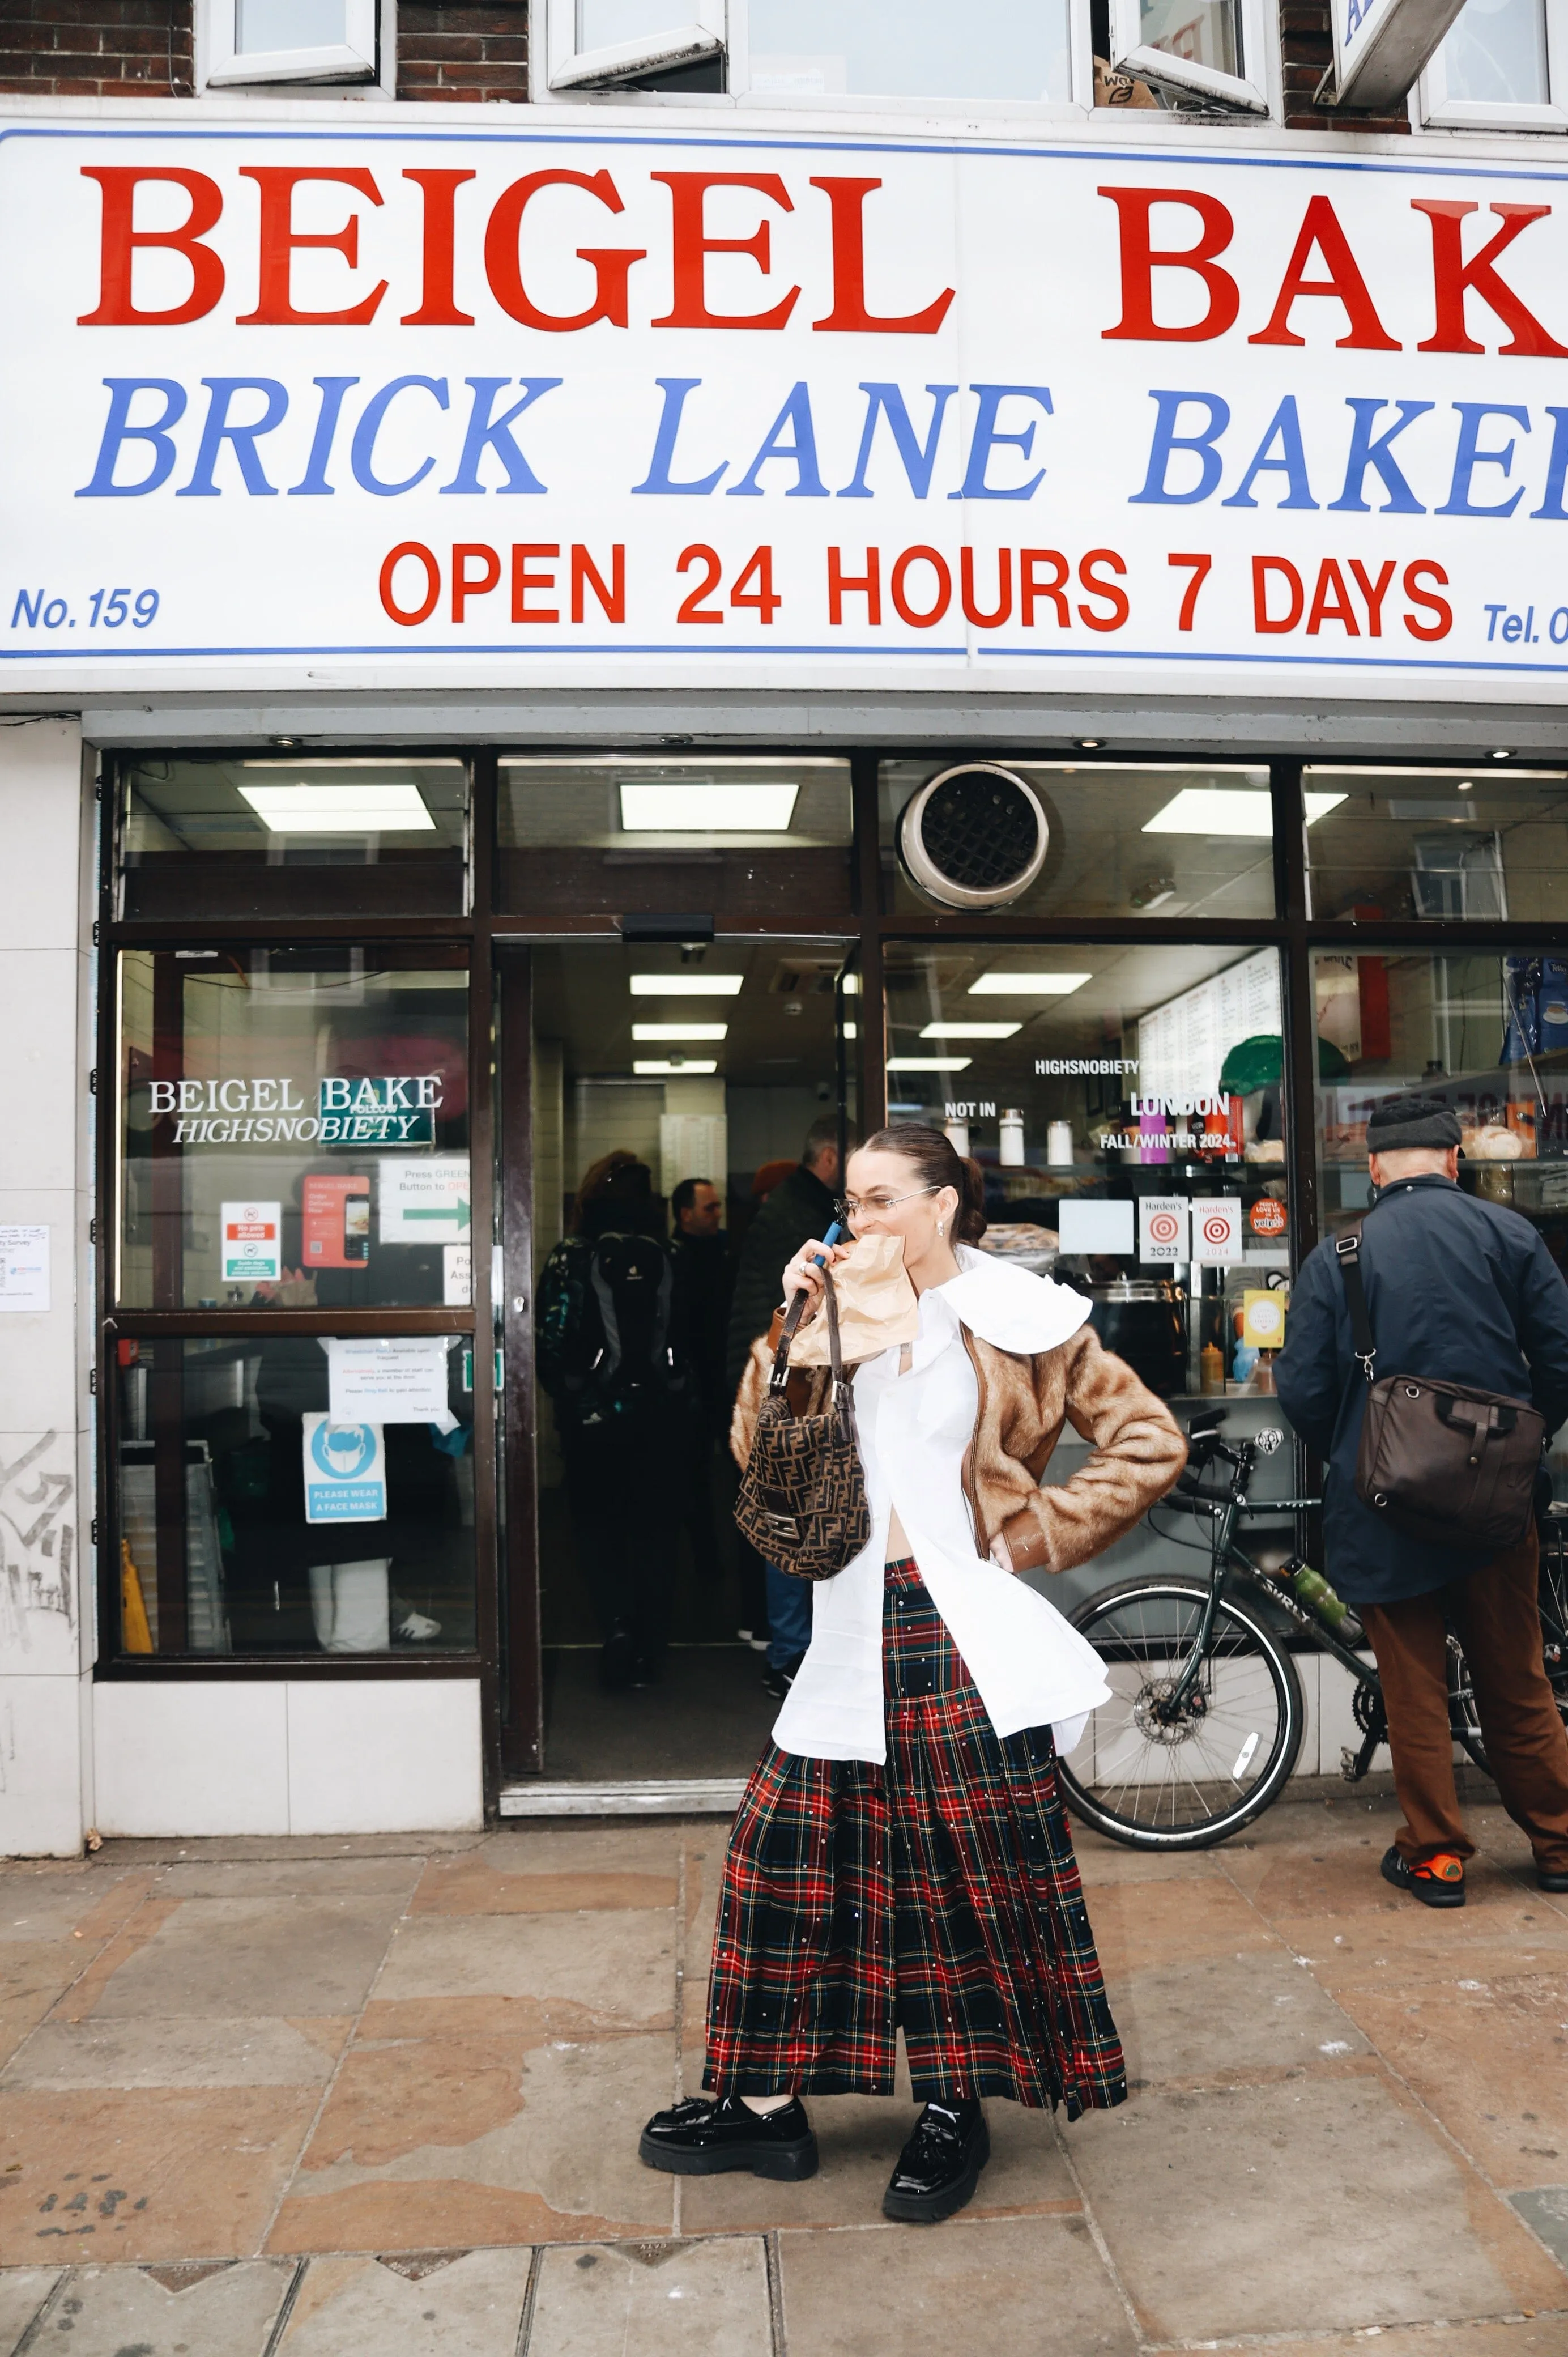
(289, 40)
(1503, 65)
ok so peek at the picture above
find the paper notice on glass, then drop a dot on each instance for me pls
(387, 1381)
(456, 1275)
(1217, 1231)
(252, 1242)
(425, 1202)
(25, 1269)
(1094, 1227)
(1162, 1228)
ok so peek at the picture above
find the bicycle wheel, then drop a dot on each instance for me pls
(1213, 1769)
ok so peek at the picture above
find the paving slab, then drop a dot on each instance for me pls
(147, 2174)
(1314, 2204)
(1225, 2016)
(226, 2311)
(247, 2052)
(219, 1957)
(23, 2291)
(34, 1976)
(1545, 2210)
(859, 2138)
(1488, 2056)
(1034, 2285)
(549, 2157)
(655, 2300)
(290, 1877)
(598, 1971)
(474, 1886)
(1544, 2334)
(444, 2304)
(1167, 1921)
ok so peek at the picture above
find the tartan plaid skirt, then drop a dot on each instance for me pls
(937, 1895)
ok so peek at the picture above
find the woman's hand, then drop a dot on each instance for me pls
(1001, 1553)
(803, 1273)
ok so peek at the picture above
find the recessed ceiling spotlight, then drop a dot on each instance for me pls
(1502, 754)
(1467, 786)
(1088, 744)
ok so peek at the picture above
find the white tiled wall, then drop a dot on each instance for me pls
(46, 1570)
(287, 1756)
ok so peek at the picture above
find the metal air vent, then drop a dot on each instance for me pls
(973, 837)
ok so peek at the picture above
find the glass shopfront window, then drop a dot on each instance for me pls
(1124, 1104)
(1081, 839)
(602, 832)
(244, 835)
(1484, 1031)
(295, 1494)
(294, 1128)
(1481, 841)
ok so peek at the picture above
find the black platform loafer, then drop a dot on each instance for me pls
(704, 2138)
(1436, 1881)
(939, 2166)
(1551, 1877)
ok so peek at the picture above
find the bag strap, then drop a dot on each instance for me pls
(1348, 1250)
(781, 1375)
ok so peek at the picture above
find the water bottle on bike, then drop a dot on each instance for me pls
(1313, 1590)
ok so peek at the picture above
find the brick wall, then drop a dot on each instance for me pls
(131, 49)
(1307, 49)
(454, 49)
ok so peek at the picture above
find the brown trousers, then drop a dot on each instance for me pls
(1495, 1615)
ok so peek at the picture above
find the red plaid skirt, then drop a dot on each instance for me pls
(938, 1895)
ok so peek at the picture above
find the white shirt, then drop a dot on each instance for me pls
(1031, 1667)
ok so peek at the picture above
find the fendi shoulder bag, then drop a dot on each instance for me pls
(802, 1499)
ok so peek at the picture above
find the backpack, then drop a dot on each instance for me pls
(610, 1353)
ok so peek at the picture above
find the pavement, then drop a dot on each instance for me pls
(379, 2098)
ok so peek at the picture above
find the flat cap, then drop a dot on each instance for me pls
(1411, 1121)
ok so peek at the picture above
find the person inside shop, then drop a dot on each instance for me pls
(612, 1358)
(702, 1286)
(799, 1205)
(901, 1859)
(1460, 1290)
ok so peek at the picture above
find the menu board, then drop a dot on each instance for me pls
(1181, 1046)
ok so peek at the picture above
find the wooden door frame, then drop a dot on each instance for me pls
(521, 1686)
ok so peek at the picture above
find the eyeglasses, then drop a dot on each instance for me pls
(850, 1207)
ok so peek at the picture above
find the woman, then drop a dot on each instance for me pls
(901, 1858)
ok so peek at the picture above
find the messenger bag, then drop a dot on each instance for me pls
(1442, 1462)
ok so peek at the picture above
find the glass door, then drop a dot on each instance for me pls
(670, 1112)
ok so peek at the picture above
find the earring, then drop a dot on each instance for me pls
(942, 1227)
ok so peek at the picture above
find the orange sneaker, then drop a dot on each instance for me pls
(1436, 1881)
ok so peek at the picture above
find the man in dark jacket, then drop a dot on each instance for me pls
(698, 1248)
(799, 1207)
(1460, 1290)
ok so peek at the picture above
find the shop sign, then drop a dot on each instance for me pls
(1162, 1228)
(1029, 410)
(1267, 1217)
(391, 1110)
(345, 1471)
(1217, 1231)
(252, 1243)
(1263, 1320)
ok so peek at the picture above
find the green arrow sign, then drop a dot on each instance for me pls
(458, 1211)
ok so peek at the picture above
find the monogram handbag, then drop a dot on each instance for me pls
(1441, 1462)
(803, 1500)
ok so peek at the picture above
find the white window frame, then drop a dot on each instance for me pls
(1432, 109)
(1253, 92)
(221, 66)
(560, 74)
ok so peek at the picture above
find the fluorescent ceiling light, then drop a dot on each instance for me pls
(345, 807)
(969, 1030)
(656, 1068)
(930, 1063)
(852, 1030)
(679, 1030)
(684, 985)
(706, 809)
(1027, 985)
(1222, 810)
(852, 985)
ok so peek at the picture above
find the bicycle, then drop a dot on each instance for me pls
(1205, 1716)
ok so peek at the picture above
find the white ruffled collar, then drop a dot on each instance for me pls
(1008, 1307)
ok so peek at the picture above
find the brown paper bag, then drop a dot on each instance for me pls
(877, 1306)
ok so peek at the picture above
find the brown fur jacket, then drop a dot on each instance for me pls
(1024, 1404)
